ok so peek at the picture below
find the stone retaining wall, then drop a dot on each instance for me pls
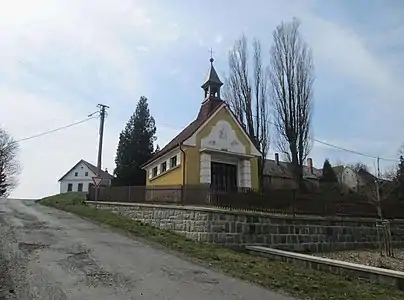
(355, 271)
(238, 229)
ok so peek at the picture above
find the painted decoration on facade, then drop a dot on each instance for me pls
(224, 138)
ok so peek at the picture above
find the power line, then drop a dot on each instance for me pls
(55, 130)
(344, 149)
(326, 144)
(354, 151)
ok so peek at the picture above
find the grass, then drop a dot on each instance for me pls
(274, 275)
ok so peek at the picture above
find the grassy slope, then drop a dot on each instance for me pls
(297, 281)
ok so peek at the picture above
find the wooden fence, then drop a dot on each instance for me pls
(321, 203)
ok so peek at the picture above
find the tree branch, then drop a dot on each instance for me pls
(291, 78)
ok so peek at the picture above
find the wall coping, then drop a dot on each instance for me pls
(327, 261)
(241, 212)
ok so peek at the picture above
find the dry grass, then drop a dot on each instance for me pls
(274, 275)
(370, 258)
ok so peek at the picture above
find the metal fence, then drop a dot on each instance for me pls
(324, 202)
(171, 194)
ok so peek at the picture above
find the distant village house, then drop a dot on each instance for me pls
(80, 177)
(278, 174)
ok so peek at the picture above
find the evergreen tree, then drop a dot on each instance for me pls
(328, 173)
(135, 146)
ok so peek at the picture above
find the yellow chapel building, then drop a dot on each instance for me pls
(212, 150)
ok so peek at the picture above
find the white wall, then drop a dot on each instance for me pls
(81, 177)
(243, 167)
(75, 185)
(165, 158)
(349, 178)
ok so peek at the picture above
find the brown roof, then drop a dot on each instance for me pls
(283, 170)
(92, 168)
(212, 77)
(208, 107)
(366, 176)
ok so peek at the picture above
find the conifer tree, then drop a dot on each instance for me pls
(135, 146)
(328, 173)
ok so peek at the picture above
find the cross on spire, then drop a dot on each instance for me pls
(211, 55)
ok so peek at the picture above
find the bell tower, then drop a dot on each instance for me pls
(212, 83)
(211, 88)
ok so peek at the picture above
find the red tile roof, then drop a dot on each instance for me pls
(208, 107)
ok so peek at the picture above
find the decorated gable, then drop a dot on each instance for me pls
(222, 132)
(223, 137)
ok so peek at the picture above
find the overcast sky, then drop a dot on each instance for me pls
(60, 58)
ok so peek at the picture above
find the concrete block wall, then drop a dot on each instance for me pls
(238, 229)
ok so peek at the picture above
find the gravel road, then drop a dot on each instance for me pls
(50, 254)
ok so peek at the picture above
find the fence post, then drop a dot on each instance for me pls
(129, 196)
(96, 196)
(293, 203)
(182, 194)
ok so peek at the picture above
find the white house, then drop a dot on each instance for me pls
(79, 178)
(352, 179)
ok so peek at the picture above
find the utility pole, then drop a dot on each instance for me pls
(383, 224)
(379, 210)
(101, 135)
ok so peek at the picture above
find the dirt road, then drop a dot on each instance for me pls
(50, 254)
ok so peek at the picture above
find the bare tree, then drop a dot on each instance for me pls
(389, 173)
(292, 78)
(377, 188)
(358, 166)
(400, 150)
(247, 94)
(9, 166)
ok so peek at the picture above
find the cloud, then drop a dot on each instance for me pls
(45, 159)
(60, 58)
(82, 34)
(350, 55)
(57, 56)
(346, 53)
(142, 49)
(218, 39)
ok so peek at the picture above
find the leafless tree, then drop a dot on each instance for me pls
(400, 150)
(358, 166)
(9, 165)
(247, 95)
(389, 173)
(376, 188)
(292, 78)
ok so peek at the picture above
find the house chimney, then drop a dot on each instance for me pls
(277, 158)
(310, 165)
